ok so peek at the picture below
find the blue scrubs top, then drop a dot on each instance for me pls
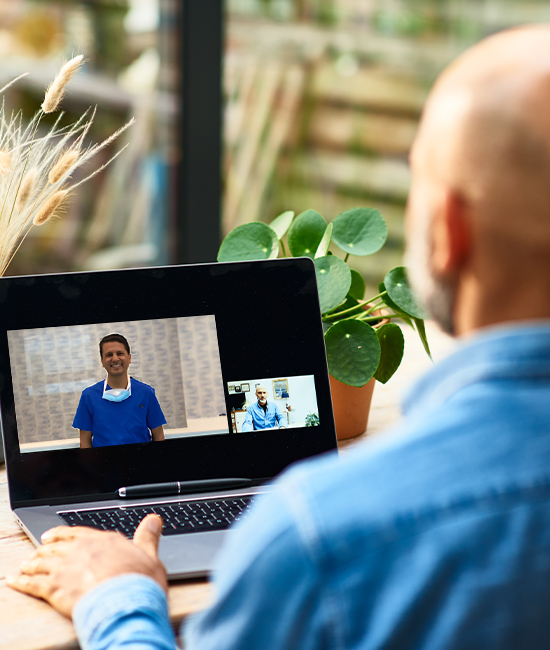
(119, 423)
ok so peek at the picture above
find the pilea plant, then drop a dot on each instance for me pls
(360, 345)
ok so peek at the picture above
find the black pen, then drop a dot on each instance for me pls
(181, 487)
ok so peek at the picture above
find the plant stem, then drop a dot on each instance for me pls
(369, 319)
(39, 117)
(380, 295)
(331, 316)
(6, 264)
(373, 308)
(283, 247)
(346, 257)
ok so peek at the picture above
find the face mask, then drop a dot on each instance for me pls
(117, 394)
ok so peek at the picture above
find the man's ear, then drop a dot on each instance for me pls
(451, 234)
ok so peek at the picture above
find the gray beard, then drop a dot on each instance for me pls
(437, 296)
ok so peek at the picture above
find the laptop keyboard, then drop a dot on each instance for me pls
(178, 518)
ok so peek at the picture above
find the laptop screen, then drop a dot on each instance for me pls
(60, 383)
(226, 366)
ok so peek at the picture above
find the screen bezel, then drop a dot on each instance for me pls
(265, 313)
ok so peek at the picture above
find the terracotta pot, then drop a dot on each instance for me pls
(351, 407)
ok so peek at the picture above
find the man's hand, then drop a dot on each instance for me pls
(72, 561)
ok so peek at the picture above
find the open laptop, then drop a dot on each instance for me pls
(204, 337)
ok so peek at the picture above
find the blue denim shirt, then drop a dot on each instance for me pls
(129, 611)
(257, 418)
(434, 536)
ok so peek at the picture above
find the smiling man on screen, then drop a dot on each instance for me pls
(436, 536)
(118, 410)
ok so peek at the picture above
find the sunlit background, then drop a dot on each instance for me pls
(121, 217)
(321, 103)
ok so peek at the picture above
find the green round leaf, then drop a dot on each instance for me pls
(400, 293)
(392, 344)
(387, 299)
(353, 352)
(305, 234)
(333, 281)
(357, 289)
(360, 231)
(251, 241)
(282, 223)
(389, 303)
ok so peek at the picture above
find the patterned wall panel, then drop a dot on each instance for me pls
(201, 368)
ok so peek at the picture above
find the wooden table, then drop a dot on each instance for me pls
(29, 624)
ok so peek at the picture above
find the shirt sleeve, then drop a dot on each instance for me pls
(83, 417)
(129, 611)
(279, 416)
(248, 425)
(155, 416)
(269, 595)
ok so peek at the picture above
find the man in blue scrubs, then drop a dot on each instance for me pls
(263, 414)
(118, 410)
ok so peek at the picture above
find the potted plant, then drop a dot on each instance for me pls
(363, 343)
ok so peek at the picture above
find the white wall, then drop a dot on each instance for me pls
(303, 399)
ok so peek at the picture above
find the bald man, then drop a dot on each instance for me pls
(438, 535)
(263, 414)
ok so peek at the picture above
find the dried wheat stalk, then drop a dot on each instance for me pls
(50, 208)
(56, 89)
(34, 167)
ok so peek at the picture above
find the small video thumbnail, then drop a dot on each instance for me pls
(270, 403)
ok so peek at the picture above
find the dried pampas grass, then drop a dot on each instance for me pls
(50, 208)
(56, 89)
(6, 162)
(33, 167)
(63, 166)
(26, 190)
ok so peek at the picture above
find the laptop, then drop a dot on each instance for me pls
(205, 338)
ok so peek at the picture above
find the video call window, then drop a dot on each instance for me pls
(178, 357)
(273, 403)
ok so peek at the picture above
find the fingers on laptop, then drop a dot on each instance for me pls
(74, 560)
(60, 533)
(148, 534)
(152, 524)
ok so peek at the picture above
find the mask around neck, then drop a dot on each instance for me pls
(117, 394)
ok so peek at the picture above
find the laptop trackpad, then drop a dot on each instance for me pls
(190, 556)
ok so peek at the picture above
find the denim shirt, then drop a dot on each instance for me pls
(129, 611)
(436, 535)
(257, 418)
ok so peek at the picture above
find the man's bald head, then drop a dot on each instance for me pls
(261, 394)
(488, 114)
(483, 148)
